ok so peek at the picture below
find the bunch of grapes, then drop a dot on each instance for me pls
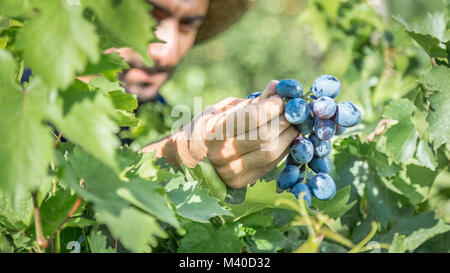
(318, 117)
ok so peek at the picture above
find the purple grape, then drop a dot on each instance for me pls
(288, 177)
(324, 108)
(306, 126)
(311, 107)
(324, 128)
(339, 130)
(347, 114)
(321, 147)
(322, 186)
(326, 85)
(291, 161)
(296, 111)
(302, 150)
(290, 89)
(254, 95)
(299, 188)
(320, 164)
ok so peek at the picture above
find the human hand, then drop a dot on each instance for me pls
(243, 138)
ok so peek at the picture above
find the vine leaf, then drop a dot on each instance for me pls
(400, 140)
(25, 143)
(439, 124)
(65, 46)
(97, 243)
(118, 203)
(417, 228)
(194, 203)
(85, 118)
(133, 30)
(199, 238)
(260, 195)
(430, 35)
(337, 206)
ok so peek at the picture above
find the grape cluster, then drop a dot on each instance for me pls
(318, 117)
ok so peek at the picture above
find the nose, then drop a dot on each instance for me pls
(166, 54)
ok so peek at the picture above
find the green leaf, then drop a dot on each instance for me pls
(67, 34)
(108, 64)
(434, 24)
(260, 195)
(17, 215)
(266, 240)
(257, 219)
(417, 229)
(397, 245)
(126, 119)
(408, 190)
(134, 29)
(437, 78)
(355, 166)
(425, 36)
(337, 206)
(425, 155)
(122, 100)
(105, 85)
(25, 143)
(118, 203)
(194, 203)
(203, 238)
(97, 243)
(399, 141)
(55, 209)
(5, 246)
(439, 124)
(437, 244)
(85, 118)
(205, 172)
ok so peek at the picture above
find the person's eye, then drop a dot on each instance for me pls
(189, 25)
(159, 14)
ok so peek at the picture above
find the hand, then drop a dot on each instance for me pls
(243, 138)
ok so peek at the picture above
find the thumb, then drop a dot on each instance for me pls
(270, 90)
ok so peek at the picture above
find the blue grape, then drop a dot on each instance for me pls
(322, 186)
(321, 147)
(306, 126)
(320, 164)
(290, 89)
(254, 95)
(299, 188)
(296, 111)
(324, 108)
(339, 129)
(326, 85)
(347, 114)
(302, 150)
(324, 128)
(288, 177)
(311, 107)
(291, 161)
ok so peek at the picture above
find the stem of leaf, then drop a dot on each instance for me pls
(40, 239)
(58, 242)
(361, 244)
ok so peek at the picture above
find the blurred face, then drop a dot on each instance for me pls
(178, 23)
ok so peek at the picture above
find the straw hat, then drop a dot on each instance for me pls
(221, 15)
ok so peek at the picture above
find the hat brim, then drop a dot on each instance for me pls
(220, 16)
